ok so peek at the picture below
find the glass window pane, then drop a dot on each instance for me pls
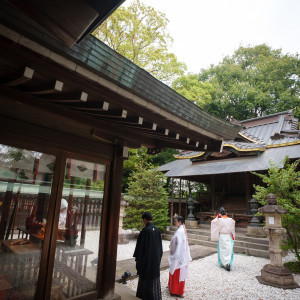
(25, 187)
(76, 257)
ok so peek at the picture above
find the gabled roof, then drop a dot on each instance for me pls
(273, 130)
(269, 138)
(187, 168)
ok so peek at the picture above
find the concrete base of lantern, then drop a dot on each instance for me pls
(280, 277)
(191, 224)
(257, 232)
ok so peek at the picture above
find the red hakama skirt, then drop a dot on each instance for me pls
(176, 287)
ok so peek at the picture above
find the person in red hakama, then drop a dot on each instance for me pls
(179, 258)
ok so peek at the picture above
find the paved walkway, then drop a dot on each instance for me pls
(197, 251)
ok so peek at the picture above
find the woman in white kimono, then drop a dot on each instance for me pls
(223, 231)
(63, 213)
(179, 258)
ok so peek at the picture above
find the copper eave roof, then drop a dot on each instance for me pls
(116, 91)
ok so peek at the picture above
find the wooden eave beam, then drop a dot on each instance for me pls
(115, 113)
(87, 106)
(18, 78)
(48, 88)
(71, 97)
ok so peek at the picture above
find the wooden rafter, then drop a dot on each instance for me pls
(71, 97)
(18, 78)
(47, 88)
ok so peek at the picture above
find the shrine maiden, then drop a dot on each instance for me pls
(223, 231)
(179, 258)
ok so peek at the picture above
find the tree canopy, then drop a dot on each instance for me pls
(254, 81)
(139, 33)
(190, 87)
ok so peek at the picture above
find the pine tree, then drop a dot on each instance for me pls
(146, 193)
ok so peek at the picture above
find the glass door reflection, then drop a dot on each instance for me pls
(25, 187)
(77, 249)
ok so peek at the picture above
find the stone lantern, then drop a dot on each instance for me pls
(122, 239)
(255, 229)
(275, 274)
(191, 221)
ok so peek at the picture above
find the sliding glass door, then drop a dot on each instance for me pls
(25, 188)
(77, 245)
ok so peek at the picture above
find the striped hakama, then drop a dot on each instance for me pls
(149, 289)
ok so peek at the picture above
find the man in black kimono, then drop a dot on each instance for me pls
(148, 253)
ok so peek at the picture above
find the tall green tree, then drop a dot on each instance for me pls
(285, 184)
(139, 33)
(190, 87)
(254, 81)
(146, 193)
(139, 158)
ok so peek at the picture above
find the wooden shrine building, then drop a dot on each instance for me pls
(227, 175)
(70, 109)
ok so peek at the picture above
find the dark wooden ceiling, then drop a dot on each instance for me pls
(68, 20)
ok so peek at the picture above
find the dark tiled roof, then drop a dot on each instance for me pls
(276, 130)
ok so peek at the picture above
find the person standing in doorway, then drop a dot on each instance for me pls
(223, 231)
(179, 258)
(63, 213)
(148, 253)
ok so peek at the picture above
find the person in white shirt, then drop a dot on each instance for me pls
(223, 231)
(63, 213)
(179, 258)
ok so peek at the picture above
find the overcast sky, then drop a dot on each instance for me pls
(204, 31)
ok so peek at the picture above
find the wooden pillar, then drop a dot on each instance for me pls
(5, 208)
(186, 200)
(172, 201)
(179, 204)
(213, 192)
(247, 190)
(70, 198)
(110, 226)
(86, 201)
(44, 282)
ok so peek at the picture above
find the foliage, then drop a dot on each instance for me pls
(191, 88)
(293, 266)
(139, 33)
(140, 158)
(146, 193)
(254, 81)
(285, 184)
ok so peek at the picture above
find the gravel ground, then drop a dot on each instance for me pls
(208, 281)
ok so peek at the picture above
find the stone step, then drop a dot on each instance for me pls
(240, 235)
(242, 244)
(239, 247)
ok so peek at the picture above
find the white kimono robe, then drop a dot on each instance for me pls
(223, 231)
(179, 256)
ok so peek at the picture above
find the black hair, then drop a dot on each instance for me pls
(179, 219)
(222, 211)
(147, 216)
